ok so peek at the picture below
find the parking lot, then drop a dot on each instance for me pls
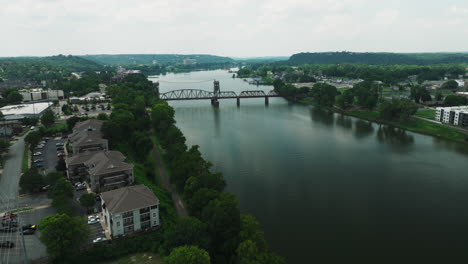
(96, 229)
(49, 154)
(34, 248)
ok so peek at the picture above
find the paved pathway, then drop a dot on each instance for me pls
(179, 205)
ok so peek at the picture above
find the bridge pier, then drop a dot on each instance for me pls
(238, 101)
(215, 102)
(266, 100)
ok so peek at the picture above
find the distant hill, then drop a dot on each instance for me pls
(161, 59)
(377, 58)
(260, 60)
(21, 68)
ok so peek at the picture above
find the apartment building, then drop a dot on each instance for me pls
(130, 209)
(87, 136)
(457, 115)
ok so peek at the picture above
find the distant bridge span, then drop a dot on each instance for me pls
(197, 94)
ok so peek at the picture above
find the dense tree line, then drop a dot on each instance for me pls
(377, 58)
(89, 82)
(45, 68)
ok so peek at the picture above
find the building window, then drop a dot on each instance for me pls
(144, 210)
(127, 214)
(154, 207)
(118, 223)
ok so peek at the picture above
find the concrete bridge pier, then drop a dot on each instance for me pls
(238, 101)
(215, 102)
(266, 100)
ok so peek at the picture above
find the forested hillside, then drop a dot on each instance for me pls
(44, 68)
(161, 59)
(377, 58)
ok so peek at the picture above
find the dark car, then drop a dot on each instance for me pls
(39, 165)
(7, 244)
(33, 227)
(29, 231)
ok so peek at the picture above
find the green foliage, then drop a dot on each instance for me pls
(439, 96)
(188, 255)
(345, 100)
(31, 181)
(187, 231)
(397, 109)
(61, 193)
(162, 116)
(222, 217)
(52, 177)
(200, 199)
(88, 200)
(73, 120)
(284, 89)
(63, 236)
(419, 93)
(48, 118)
(32, 121)
(13, 97)
(4, 145)
(162, 59)
(366, 93)
(61, 165)
(324, 94)
(455, 100)
(449, 85)
(67, 109)
(102, 116)
(377, 58)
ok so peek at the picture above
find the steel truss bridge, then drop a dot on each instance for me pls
(195, 94)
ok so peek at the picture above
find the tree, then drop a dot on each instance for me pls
(162, 116)
(88, 200)
(31, 180)
(142, 144)
(455, 100)
(52, 177)
(102, 116)
(397, 109)
(419, 93)
(222, 217)
(63, 236)
(188, 255)
(61, 165)
(449, 85)
(14, 97)
(438, 96)
(187, 231)
(200, 199)
(4, 145)
(48, 118)
(324, 94)
(61, 194)
(66, 109)
(366, 93)
(33, 138)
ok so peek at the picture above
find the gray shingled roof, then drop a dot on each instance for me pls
(80, 158)
(129, 198)
(92, 124)
(107, 162)
(83, 138)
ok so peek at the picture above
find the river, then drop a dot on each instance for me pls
(324, 184)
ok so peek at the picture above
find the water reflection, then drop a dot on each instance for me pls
(451, 145)
(217, 120)
(344, 121)
(395, 137)
(363, 129)
(322, 115)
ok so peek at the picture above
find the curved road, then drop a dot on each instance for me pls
(9, 181)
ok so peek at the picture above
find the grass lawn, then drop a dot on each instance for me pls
(24, 162)
(416, 125)
(142, 258)
(426, 113)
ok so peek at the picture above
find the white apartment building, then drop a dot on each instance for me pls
(457, 115)
(130, 209)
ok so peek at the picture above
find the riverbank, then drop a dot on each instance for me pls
(413, 124)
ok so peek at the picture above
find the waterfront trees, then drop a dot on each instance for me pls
(397, 109)
(188, 254)
(324, 94)
(367, 93)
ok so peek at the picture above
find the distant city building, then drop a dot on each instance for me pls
(38, 94)
(129, 210)
(18, 112)
(188, 61)
(93, 96)
(457, 116)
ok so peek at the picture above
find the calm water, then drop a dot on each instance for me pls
(323, 184)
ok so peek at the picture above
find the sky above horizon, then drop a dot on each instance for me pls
(235, 28)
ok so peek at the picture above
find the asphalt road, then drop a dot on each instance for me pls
(12, 170)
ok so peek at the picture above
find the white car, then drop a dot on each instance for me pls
(37, 154)
(93, 221)
(99, 239)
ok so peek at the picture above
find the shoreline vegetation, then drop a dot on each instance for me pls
(412, 124)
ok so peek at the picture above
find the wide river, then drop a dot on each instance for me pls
(323, 184)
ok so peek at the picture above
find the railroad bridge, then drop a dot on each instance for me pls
(215, 96)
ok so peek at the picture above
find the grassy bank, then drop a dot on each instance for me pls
(25, 161)
(426, 113)
(413, 124)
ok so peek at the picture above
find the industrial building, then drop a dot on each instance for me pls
(18, 112)
(38, 94)
(457, 115)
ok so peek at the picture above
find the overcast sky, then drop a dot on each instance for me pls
(238, 28)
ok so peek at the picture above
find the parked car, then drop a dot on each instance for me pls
(39, 146)
(34, 227)
(59, 144)
(99, 239)
(7, 244)
(38, 160)
(32, 128)
(64, 136)
(98, 197)
(60, 148)
(37, 153)
(93, 221)
(45, 188)
(29, 231)
(43, 142)
(39, 165)
(61, 155)
(80, 187)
